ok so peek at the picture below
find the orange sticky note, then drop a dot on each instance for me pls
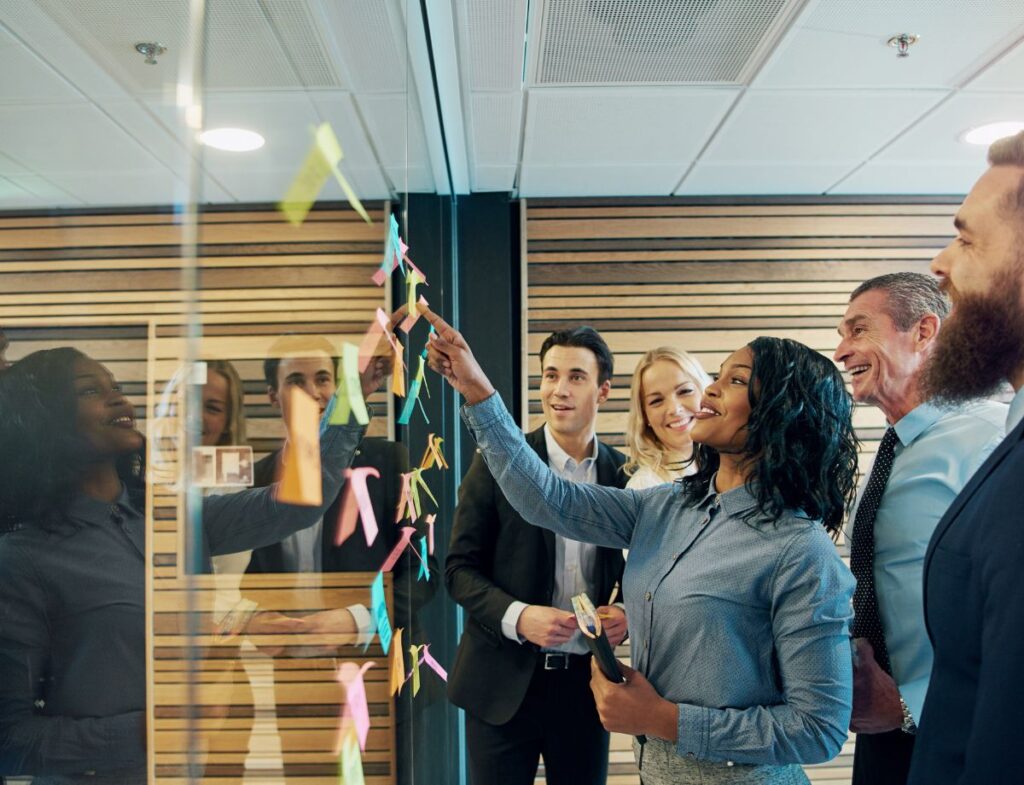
(398, 374)
(300, 463)
(397, 663)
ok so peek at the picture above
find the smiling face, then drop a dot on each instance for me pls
(569, 390)
(883, 361)
(725, 407)
(314, 375)
(103, 418)
(670, 400)
(216, 408)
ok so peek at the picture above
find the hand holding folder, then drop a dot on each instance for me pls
(590, 625)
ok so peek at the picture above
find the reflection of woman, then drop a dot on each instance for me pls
(664, 399)
(738, 604)
(223, 402)
(72, 614)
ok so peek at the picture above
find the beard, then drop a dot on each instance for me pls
(981, 345)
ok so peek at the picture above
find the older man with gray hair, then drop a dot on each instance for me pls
(925, 458)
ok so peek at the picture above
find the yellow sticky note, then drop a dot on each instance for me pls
(414, 651)
(300, 473)
(398, 374)
(350, 393)
(397, 662)
(320, 163)
(350, 764)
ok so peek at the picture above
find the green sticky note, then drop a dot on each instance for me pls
(350, 764)
(350, 393)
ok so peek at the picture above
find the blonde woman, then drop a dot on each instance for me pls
(663, 399)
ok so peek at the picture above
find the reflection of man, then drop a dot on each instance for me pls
(521, 672)
(306, 363)
(926, 456)
(973, 591)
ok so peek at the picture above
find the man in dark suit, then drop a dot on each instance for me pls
(521, 672)
(973, 592)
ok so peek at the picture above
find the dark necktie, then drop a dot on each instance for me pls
(866, 621)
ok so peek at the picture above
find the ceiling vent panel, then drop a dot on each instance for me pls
(493, 38)
(271, 44)
(698, 42)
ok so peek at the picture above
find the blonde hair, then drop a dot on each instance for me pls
(234, 433)
(644, 448)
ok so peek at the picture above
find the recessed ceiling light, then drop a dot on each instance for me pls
(987, 134)
(235, 140)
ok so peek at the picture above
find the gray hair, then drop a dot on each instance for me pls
(1009, 151)
(911, 296)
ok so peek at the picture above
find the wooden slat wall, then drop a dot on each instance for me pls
(110, 284)
(709, 278)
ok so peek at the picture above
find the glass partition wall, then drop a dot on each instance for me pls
(227, 479)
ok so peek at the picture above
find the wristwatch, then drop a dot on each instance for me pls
(908, 726)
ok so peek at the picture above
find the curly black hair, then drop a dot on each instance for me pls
(800, 446)
(43, 458)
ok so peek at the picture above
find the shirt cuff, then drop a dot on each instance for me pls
(483, 413)
(694, 729)
(364, 624)
(511, 618)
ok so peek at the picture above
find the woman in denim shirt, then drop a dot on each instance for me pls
(738, 604)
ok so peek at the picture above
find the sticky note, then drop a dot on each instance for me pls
(424, 573)
(398, 372)
(410, 403)
(396, 552)
(414, 652)
(413, 278)
(349, 396)
(300, 461)
(397, 664)
(356, 710)
(380, 611)
(320, 163)
(430, 532)
(350, 764)
(394, 250)
(356, 504)
(428, 659)
(432, 455)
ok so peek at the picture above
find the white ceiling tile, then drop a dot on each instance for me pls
(45, 191)
(271, 185)
(815, 126)
(339, 109)
(757, 178)
(491, 43)
(495, 122)
(13, 197)
(597, 126)
(8, 165)
(934, 177)
(26, 78)
(936, 138)
(413, 179)
(493, 178)
(396, 128)
(1005, 74)
(69, 138)
(115, 188)
(598, 180)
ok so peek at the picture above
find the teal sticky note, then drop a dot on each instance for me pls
(380, 612)
(410, 402)
(424, 567)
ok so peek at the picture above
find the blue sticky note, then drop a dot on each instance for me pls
(424, 568)
(380, 612)
(410, 402)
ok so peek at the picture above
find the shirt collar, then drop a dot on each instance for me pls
(916, 421)
(733, 502)
(1016, 413)
(89, 510)
(560, 457)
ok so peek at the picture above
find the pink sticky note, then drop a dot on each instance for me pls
(428, 660)
(396, 552)
(371, 339)
(405, 508)
(430, 531)
(412, 318)
(357, 499)
(356, 710)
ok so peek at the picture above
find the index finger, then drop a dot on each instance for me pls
(442, 327)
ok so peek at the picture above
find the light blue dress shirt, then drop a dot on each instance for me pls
(740, 621)
(936, 453)
(1016, 411)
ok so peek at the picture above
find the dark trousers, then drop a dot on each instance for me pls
(882, 758)
(557, 721)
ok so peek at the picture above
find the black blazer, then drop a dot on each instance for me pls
(495, 558)
(974, 609)
(390, 459)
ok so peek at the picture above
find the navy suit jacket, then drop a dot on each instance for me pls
(974, 609)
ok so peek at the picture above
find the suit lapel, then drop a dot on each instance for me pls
(536, 440)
